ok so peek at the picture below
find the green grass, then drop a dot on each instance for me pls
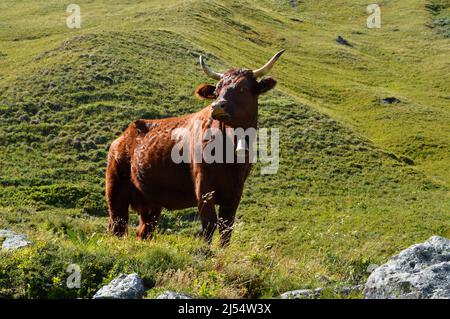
(358, 180)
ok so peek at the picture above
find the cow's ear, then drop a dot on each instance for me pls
(266, 85)
(205, 91)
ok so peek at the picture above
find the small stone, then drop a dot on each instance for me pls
(172, 295)
(299, 294)
(15, 242)
(346, 291)
(122, 287)
(316, 293)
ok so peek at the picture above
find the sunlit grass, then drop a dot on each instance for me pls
(358, 180)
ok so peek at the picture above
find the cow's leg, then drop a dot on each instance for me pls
(206, 210)
(226, 221)
(209, 220)
(148, 219)
(118, 199)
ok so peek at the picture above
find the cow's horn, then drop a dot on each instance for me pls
(208, 71)
(266, 68)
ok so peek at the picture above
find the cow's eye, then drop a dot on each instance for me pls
(243, 90)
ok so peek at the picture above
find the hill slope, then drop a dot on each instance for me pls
(358, 180)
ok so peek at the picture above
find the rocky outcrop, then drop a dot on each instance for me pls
(420, 271)
(122, 287)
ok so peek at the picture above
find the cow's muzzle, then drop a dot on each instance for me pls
(218, 111)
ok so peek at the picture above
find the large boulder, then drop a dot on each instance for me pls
(420, 271)
(13, 240)
(122, 287)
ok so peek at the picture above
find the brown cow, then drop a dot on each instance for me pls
(142, 174)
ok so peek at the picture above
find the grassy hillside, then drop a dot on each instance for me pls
(358, 180)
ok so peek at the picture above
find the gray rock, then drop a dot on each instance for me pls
(346, 291)
(13, 240)
(420, 271)
(122, 287)
(5, 233)
(316, 293)
(299, 294)
(172, 295)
